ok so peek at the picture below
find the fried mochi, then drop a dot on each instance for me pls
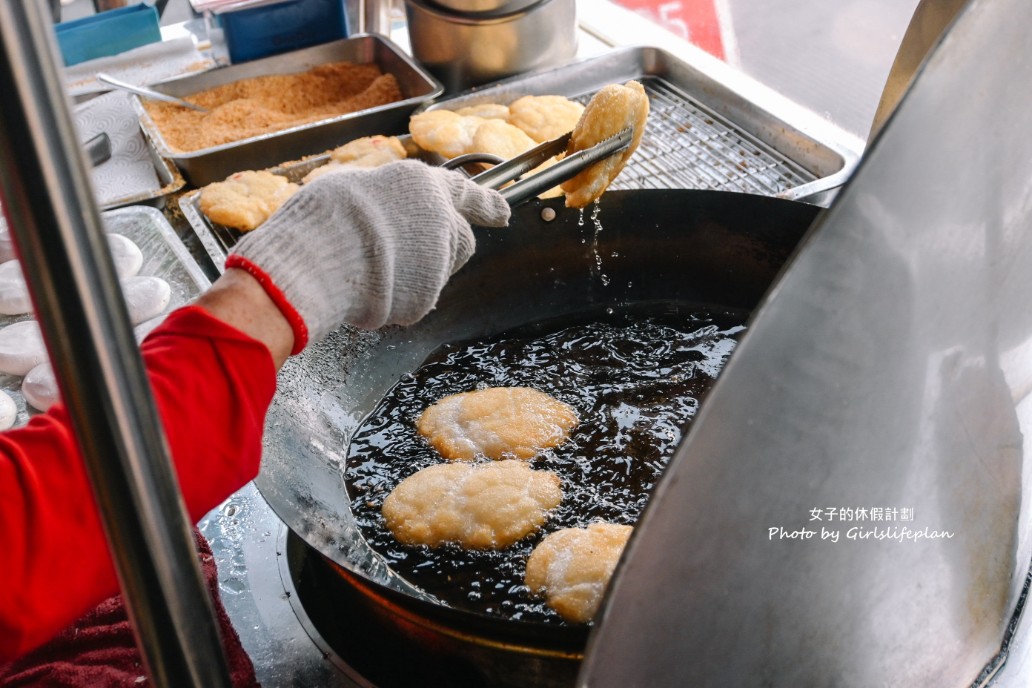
(496, 423)
(442, 131)
(545, 117)
(478, 506)
(500, 138)
(614, 108)
(366, 152)
(485, 111)
(572, 567)
(245, 199)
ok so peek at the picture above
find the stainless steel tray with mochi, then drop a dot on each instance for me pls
(164, 256)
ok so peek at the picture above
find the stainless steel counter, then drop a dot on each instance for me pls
(247, 539)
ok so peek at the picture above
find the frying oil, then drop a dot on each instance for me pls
(635, 379)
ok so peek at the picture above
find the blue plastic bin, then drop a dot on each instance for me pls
(107, 33)
(282, 27)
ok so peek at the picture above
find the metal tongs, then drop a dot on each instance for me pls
(539, 182)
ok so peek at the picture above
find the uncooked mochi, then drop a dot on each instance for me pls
(40, 387)
(145, 297)
(21, 347)
(8, 411)
(14, 293)
(127, 256)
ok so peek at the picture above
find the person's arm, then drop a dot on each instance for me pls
(212, 385)
(365, 248)
(238, 300)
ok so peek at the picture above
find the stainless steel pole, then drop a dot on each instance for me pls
(57, 229)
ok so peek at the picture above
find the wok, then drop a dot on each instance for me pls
(636, 247)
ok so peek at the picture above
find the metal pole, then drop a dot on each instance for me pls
(58, 232)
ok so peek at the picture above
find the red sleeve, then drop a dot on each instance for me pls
(212, 385)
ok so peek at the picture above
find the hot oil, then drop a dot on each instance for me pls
(636, 381)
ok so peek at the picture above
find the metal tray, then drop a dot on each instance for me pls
(701, 133)
(218, 162)
(164, 256)
(116, 182)
(215, 238)
(169, 176)
(218, 239)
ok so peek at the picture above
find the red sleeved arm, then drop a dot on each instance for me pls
(212, 385)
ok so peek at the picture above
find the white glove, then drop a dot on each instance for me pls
(367, 247)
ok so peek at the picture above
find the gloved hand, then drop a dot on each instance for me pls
(367, 247)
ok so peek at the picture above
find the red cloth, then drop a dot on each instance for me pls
(212, 384)
(99, 650)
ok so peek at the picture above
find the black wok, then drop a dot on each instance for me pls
(638, 247)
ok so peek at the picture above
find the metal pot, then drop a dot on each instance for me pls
(490, 40)
(672, 246)
(474, 6)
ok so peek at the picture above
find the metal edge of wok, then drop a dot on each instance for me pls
(639, 247)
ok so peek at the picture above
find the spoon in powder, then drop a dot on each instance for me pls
(146, 92)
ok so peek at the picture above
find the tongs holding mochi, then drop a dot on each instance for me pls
(613, 121)
(530, 186)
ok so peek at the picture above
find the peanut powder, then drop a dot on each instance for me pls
(266, 104)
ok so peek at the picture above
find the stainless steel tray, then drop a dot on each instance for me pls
(118, 181)
(218, 162)
(215, 238)
(218, 239)
(701, 133)
(164, 256)
(169, 176)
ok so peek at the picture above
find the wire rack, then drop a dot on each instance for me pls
(686, 146)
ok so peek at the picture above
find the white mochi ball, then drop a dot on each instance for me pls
(14, 292)
(40, 387)
(128, 257)
(21, 347)
(6, 243)
(8, 411)
(145, 297)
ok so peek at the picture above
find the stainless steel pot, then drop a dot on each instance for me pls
(485, 5)
(471, 42)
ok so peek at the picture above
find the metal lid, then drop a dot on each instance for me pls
(882, 371)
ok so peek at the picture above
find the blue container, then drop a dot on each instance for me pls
(107, 33)
(282, 27)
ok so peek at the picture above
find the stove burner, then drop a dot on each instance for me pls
(393, 644)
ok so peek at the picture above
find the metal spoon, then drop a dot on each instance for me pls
(146, 92)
